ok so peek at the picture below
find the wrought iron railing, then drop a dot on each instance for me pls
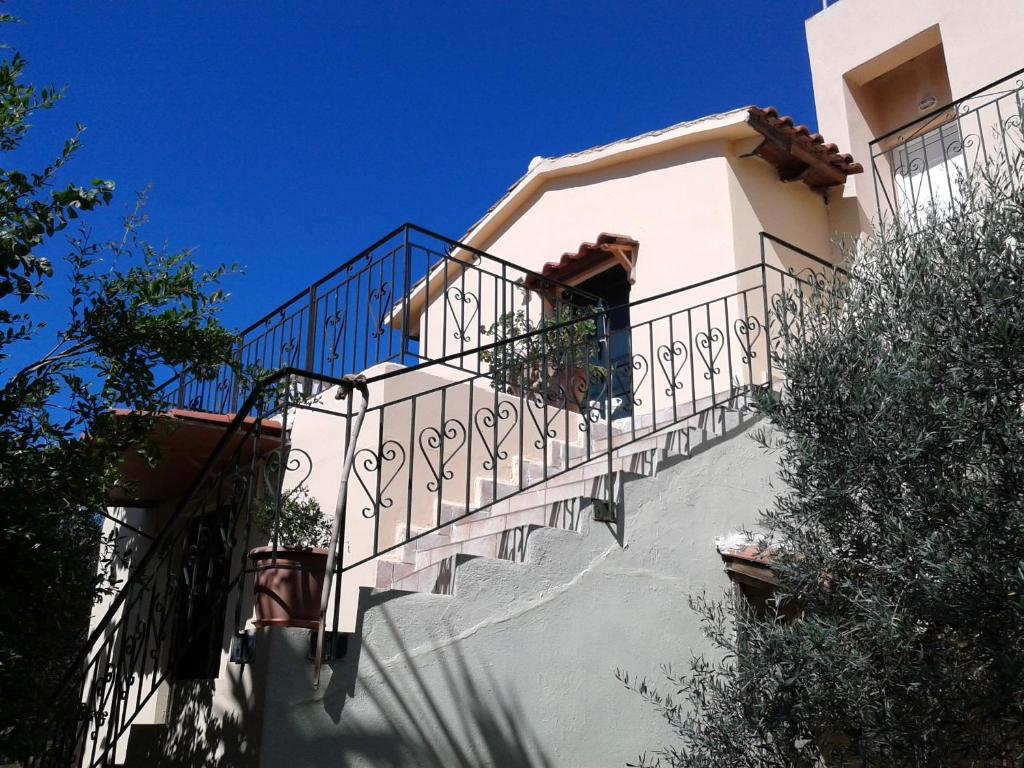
(383, 305)
(438, 444)
(179, 583)
(431, 456)
(924, 163)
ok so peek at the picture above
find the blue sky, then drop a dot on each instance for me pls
(288, 136)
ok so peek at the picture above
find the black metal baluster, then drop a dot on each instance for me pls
(377, 507)
(339, 553)
(479, 337)
(750, 344)
(440, 454)
(728, 352)
(653, 376)
(412, 464)
(469, 454)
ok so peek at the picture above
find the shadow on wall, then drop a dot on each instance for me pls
(194, 735)
(460, 717)
(208, 722)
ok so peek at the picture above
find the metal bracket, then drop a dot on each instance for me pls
(335, 645)
(243, 647)
(604, 511)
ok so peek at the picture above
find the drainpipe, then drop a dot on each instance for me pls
(349, 383)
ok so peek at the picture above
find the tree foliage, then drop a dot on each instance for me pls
(556, 356)
(898, 538)
(132, 309)
(297, 522)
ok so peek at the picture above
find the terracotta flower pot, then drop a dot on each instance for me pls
(562, 388)
(287, 588)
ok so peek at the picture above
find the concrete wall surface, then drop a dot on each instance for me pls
(517, 667)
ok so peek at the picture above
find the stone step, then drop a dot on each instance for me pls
(506, 544)
(511, 476)
(556, 502)
(717, 420)
(493, 519)
(437, 578)
(390, 572)
(566, 514)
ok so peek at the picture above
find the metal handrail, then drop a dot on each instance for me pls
(938, 111)
(141, 578)
(158, 541)
(923, 163)
(806, 254)
(675, 356)
(407, 226)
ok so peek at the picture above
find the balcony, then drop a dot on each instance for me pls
(925, 163)
(370, 310)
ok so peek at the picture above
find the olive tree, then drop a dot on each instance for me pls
(130, 311)
(896, 636)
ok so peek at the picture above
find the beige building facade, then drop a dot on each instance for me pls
(879, 69)
(487, 589)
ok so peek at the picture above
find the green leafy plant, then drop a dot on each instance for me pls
(901, 436)
(132, 310)
(559, 351)
(300, 524)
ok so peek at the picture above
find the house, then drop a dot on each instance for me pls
(551, 441)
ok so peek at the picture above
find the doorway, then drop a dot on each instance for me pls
(613, 332)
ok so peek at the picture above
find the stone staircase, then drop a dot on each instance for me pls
(516, 666)
(558, 497)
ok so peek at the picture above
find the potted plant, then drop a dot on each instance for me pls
(557, 361)
(289, 578)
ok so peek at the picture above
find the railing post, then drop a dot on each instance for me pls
(406, 289)
(235, 379)
(610, 512)
(335, 551)
(282, 465)
(311, 336)
(181, 388)
(767, 312)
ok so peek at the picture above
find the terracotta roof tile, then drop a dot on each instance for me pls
(797, 153)
(570, 261)
(740, 545)
(751, 553)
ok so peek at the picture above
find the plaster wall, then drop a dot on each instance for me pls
(408, 479)
(128, 547)
(517, 668)
(759, 202)
(399, 481)
(675, 204)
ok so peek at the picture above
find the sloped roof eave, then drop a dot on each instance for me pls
(732, 124)
(690, 131)
(821, 166)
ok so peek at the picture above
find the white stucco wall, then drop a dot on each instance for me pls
(675, 205)
(193, 719)
(517, 668)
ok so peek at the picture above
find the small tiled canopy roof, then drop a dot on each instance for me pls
(568, 269)
(748, 563)
(798, 154)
